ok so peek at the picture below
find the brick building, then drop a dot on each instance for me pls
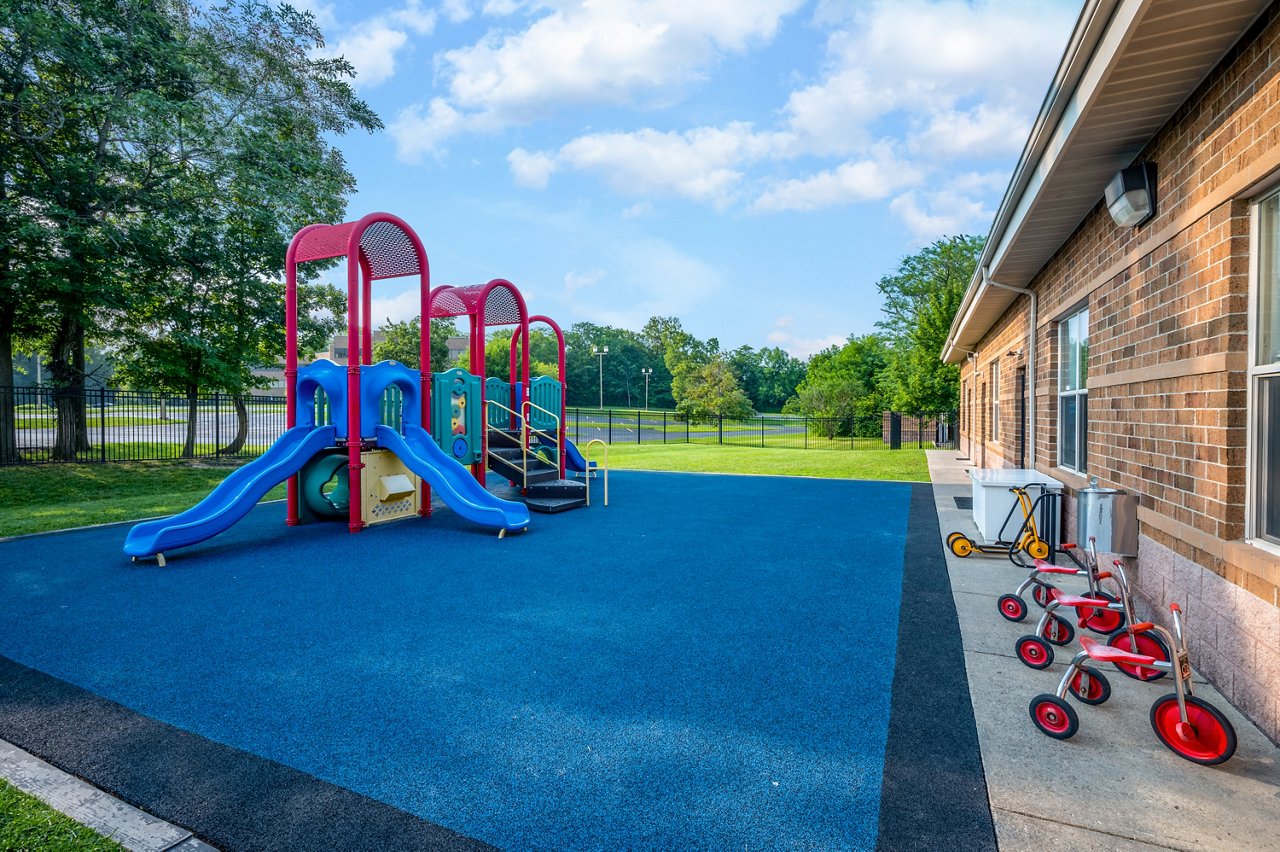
(1148, 355)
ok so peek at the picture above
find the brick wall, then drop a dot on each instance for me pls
(1168, 340)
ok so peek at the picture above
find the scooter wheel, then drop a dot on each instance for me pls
(1207, 737)
(961, 546)
(1090, 686)
(1042, 593)
(1034, 652)
(1054, 717)
(1104, 621)
(1147, 643)
(1038, 549)
(953, 536)
(1059, 631)
(1012, 607)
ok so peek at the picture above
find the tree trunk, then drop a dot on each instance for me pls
(242, 428)
(68, 389)
(193, 413)
(8, 414)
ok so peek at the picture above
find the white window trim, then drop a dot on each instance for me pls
(1253, 372)
(1082, 441)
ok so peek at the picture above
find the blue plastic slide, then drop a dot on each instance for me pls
(234, 496)
(573, 459)
(455, 484)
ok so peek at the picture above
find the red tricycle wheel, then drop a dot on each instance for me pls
(1099, 620)
(1034, 652)
(1012, 607)
(1059, 631)
(1090, 686)
(1042, 593)
(1146, 643)
(1208, 739)
(1054, 717)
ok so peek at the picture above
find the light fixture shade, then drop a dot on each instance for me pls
(1131, 195)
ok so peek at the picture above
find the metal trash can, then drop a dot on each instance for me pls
(1110, 516)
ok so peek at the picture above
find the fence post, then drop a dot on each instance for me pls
(102, 422)
(217, 422)
(637, 427)
(762, 431)
(720, 430)
(664, 427)
(577, 426)
(806, 431)
(895, 431)
(687, 439)
(611, 426)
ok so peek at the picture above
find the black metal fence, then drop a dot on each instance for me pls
(124, 425)
(121, 425)
(765, 430)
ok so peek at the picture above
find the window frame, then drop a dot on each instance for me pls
(1255, 373)
(1081, 430)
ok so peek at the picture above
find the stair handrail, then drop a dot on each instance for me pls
(524, 440)
(586, 457)
(552, 438)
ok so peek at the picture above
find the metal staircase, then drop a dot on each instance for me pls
(528, 458)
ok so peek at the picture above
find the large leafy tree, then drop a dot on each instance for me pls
(401, 343)
(128, 114)
(841, 389)
(768, 376)
(920, 301)
(712, 392)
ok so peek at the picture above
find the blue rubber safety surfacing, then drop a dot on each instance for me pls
(704, 664)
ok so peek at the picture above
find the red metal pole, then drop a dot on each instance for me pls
(366, 326)
(354, 516)
(291, 371)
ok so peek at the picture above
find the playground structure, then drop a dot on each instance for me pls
(398, 432)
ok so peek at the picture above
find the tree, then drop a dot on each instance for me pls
(841, 389)
(124, 110)
(920, 302)
(712, 391)
(402, 339)
(769, 376)
(620, 369)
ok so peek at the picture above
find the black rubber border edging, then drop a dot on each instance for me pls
(934, 793)
(230, 798)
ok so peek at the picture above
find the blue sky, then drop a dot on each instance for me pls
(751, 166)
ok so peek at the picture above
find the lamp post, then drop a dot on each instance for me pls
(646, 372)
(600, 353)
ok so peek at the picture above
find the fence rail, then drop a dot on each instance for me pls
(123, 425)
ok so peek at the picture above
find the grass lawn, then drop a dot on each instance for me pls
(26, 823)
(39, 498)
(840, 464)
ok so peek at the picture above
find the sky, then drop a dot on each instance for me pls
(750, 166)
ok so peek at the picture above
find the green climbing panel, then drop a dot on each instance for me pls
(455, 414)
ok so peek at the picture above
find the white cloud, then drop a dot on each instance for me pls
(803, 348)
(986, 129)
(456, 11)
(651, 278)
(929, 215)
(531, 169)
(575, 280)
(592, 52)
(417, 133)
(400, 307)
(640, 210)
(372, 45)
(854, 181)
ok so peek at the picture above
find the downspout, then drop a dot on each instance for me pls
(1031, 356)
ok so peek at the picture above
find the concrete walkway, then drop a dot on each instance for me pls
(1113, 785)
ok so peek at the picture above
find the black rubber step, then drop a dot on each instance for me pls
(551, 505)
(559, 488)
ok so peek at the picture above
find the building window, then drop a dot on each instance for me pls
(995, 400)
(1264, 376)
(1073, 393)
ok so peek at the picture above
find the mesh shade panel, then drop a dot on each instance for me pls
(389, 251)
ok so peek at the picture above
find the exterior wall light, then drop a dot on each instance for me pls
(1131, 195)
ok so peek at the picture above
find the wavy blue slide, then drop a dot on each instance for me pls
(573, 459)
(459, 490)
(234, 496)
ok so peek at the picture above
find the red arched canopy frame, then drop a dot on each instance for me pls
(517, 342)
(497, 303)
(376, 247)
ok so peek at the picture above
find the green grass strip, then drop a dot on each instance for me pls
(28, 824)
